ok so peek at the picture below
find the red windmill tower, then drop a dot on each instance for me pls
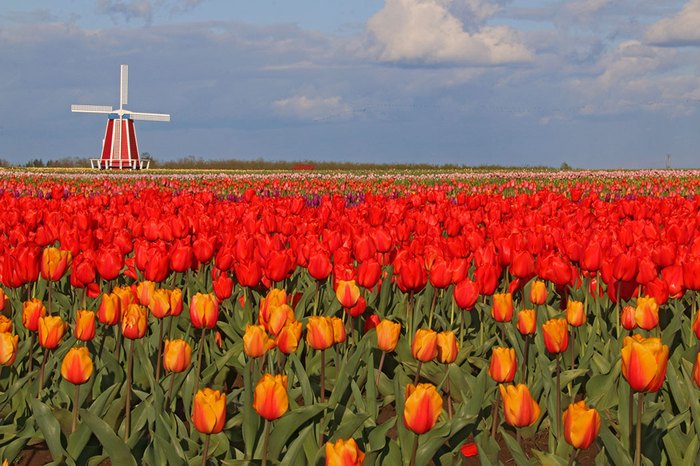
(119, 147)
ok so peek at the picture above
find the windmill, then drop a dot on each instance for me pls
(119, 147)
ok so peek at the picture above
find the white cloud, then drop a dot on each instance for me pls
(680, 29)
(426, 31)
(313, 108)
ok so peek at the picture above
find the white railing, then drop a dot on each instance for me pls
(106, 164)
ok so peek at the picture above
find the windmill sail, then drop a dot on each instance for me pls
(124, 86)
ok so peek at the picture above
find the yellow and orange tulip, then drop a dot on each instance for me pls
(287, 340)
(447, 347)
(8, 348)
(204, 310)
(556, 335)
(209, 411)
(388, 333)
(646, 314)
(32, 311)
(344, 453)
(644, 362)
(77, 365)
(319, 332)
(84, 325)
(502, 309)
(503, 364)
(270, 399)
(527, 321)
(51, 330)
(134, 322)
(424, 347)
(347, 293)
(581, 425)
(177, 355)
(575, 313)
(422, 408)
(256, 342)
(109, 312)
(538, 292)
(519, 408)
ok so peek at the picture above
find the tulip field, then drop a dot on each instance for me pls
(458, 318)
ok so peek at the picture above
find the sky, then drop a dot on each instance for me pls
(590, 83)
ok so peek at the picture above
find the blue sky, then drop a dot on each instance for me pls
(594, 83)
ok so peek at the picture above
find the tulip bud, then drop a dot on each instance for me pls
(644, 362)
(175, 302)
(339, 334)
(177, 355)
(628, 318)
(32, 311)
(289, 337)
(424, 347)
(344, 453)
(503, 364)
(447, 349)
(347, 293)
(5, 324)
(519, 408)
(422, 408)
(209, 411)
(502, 310)
(134, 322)
(84, 325)
(256, 342)
(144, 292)
(538, 292)
(204, 310)
(575, 313)
(556, 335)
(270, 399)
(388, 333)
(358, 309)
(581, 425)
(54, 263)
(8, 348)
(527, 321)
(109, 312)
(319, 332)
(77, 366)
(647, 313)
(160, 303)
(51, 330)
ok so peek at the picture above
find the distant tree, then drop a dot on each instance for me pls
(35, 163)
(4, 163)
(565, 167)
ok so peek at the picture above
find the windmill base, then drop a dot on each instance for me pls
(106, 164)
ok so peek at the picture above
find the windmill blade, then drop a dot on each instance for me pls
(124, 94)
(91, 108)
(150, 116)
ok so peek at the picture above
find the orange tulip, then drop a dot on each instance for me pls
(5, 324)
(77, 366)
(32, 311)
(646, 314)
(256, 342)
(339, 334)
(696, 370)
(581, 425)
(204, 310)
(447, 347)
(502, 309)
(84, 325)
(8, 348)
(556, 335)
(3, 299)
(347, 293)
(144, 292)
(344, 453)
(424, 347)
(628, 318)
(276, 318)
(159, 304)
(51, 330)
(274, 298)
(388, 333)
(54, 263)
(519, 408)
(575, 313)
(538, 292)
(319, 332)
(289, 337)
(270, 399)
(134, 322)
(696, 325)
(503, 364)
(422, 408)
(175, 302)
(109, 312)
(527, 321)
(209, 411)
(126, 296)
(644, 362)
(177, 355)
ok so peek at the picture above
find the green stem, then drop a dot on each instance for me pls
(573, 456)
(32, 338)
(414, 450)
(409, 313)
(41, 372)
(266, 442)
(76, 400)
(129, 371)
(526, 357)
(638, 450)
(205, 452)
(379, 370)
(417, 376)
(494, 416)
(573, 346)
(159, 362)
(48, 305)
(199, 360)
(170, 389)
(316, 295)
(323, 376)
(432, 308)
(558, 406)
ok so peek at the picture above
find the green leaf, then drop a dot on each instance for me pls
(303, 378)
(287, 425)
(296, 446)
(114, 446)
(618, 454)
(50, 429)
(515, 449)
